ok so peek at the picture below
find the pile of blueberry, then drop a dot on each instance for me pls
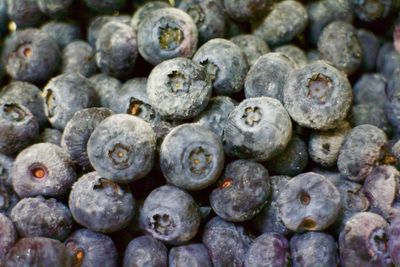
(199, 133)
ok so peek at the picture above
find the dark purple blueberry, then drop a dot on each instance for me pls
(388, 60)
(39, 217)
(170, 214)
(90, 248)
(43, 169)
(79, 57)
(6, 166)
(25, 13)
(63, 33)
(370, 89)
(144, 10)
(394, 241)
(55, 8)
(146, 251)
(195, 255)
(8, 198)
(374, 115)
(100, 204)
(247, 10)
(242, 191)
(370, 45)
(8, 235)
(308, 202)
(94, 27)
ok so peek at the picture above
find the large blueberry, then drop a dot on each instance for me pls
(146, 251)
(195, 255)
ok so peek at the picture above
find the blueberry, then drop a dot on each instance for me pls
(259, 128)
(124, 153)
(64, 95)
(173, 34)
(191, 157)
(8, 235)
(105, 6)
(363, 242)
(144, 10)
(392, 85)
(292, 161)
(209, 17)
(317, 96)
(35, 217)
(27, 95)
(50, 135)
(18, 128)
(388, 60)
(78, 130)
(371, 11)
(216, 114)
(391, 107)
(268, 75)
(63, 33)
(8, 199)
(338, 44)
(293, 52)
(31, 55)
(79, 57)
(380, 188)
(286, 20)
(170, 214)
(370, 47)
(308, 202)
(370, 89)
(55, 8)
(324, 146)
(270, 249)
(25, 13)
(371, 114)
(313, 249)
(6, 165)
(361, 151)
(394, 241)
(179, 88)
(146, 251)
(100, 204)
(225, 64)
(226, 242)
(107, 89)
(38, 252)
(91, 249)
(116, 50)
(247, 10)
(189, 255)
(98, 22)
(242, 191)
(269, 220)
(253, 46)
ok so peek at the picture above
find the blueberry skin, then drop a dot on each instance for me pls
(192, 157)
(394, 241)
(6, 165)
(392, 85)
(338, 44)
(225, 64)
(91, 249)
(286, 20)
(209, 17)
(314, 249)
(63, 33)
(79, 57)
(270, 249)
(292, 161)
(226, 242)
(25, 94)
(8, 235)
(317, 96)
(388, 60)
(166, 33)
(146, 251)
(253, 46)
(34, 217)
(144, 10)
(108, 90)
(370, 89)
(242, 191)
(125, 153)
(18, 128)
(259, 128)
(268, 75)
(240, 10)
(50, 135)
(391, 106)
(308, 202)
(380, 188)
(269, 220)
(195, 255)
(371, 11)
(170, 215)
(324, 146)
(363, 241)
(116, 50)
(179, 88)
(293, 52)
(313, 55)
(371, 114)
(8, 199)
(98, 22)
(31, 55)
(64, 95)
(43, 169)
(105, 6)
(370, 45)
(100, 204)
(360, 152)
(55, 8)
(214, 117)
(25, 13)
